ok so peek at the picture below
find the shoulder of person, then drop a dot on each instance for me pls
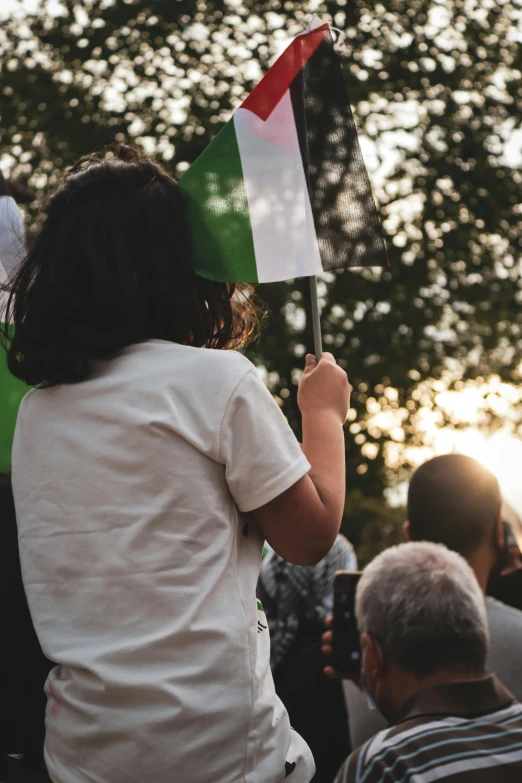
(164, 365)
(499, 613)
(222, 375)
(226, 369)
(27, 399)
(365, 762)
(348, 771)
(171, 360)
(232, 360)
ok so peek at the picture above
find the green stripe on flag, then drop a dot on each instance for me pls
(218, 212)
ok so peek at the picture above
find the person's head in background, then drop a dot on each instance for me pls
(454, 500)
(112, 266)
(422, 621)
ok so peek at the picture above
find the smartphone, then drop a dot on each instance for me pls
(346, 648)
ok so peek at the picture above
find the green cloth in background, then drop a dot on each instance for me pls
(11, 392)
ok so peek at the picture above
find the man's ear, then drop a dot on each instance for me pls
(373, 657)
(406, 531)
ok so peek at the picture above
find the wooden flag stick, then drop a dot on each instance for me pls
(316, 318)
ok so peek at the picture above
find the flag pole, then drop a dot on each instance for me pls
(316, 318)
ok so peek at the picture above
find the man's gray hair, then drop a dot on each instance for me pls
(423, 604)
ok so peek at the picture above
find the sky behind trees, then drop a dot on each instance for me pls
(436, 89)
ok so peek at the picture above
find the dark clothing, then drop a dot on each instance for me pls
(26, 771)
(507, 589)
(315, 704)
(24, 666)
(468, 732)
(297, 601)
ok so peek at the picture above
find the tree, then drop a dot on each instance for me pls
(436, 90)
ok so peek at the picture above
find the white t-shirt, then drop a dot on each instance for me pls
(140, 568)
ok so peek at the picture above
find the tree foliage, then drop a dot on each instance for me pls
(436, 89)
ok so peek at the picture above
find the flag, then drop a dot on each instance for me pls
(282, 190)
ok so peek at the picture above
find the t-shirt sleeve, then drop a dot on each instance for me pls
(261, 455)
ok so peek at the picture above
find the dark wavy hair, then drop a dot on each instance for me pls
(110, 266)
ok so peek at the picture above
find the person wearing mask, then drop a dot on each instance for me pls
(455, 500)
(424, 642)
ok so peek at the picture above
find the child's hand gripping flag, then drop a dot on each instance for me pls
(282, 190)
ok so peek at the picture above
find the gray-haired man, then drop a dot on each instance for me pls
(455, 501)
(424, 642)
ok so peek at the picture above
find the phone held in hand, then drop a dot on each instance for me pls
(346, 648)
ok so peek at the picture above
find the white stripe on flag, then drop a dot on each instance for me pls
(313, 24)
(285, 241)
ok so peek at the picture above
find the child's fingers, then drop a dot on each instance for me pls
(326, 649)
(329, 622)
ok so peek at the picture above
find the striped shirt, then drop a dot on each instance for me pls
(470, 732)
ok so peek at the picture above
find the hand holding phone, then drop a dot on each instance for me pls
(342, 643)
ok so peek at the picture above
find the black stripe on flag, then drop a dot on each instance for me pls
(346, 222)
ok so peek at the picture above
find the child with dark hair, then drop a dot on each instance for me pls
(148, 468)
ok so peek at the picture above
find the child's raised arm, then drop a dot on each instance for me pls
(301, 524)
